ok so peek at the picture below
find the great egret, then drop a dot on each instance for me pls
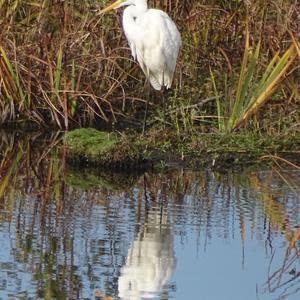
(154, 41)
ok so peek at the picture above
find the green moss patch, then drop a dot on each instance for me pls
(92, 147)
(90, 142)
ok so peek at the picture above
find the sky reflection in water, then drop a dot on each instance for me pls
(90, 234)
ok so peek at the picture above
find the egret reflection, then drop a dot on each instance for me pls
(150, 262)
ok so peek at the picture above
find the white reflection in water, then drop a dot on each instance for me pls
(150, 262)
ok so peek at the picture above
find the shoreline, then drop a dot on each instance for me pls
(165, 148)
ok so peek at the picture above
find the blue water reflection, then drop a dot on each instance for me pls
(91, 234)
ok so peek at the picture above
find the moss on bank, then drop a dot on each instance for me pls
(163, 147)
(92, 147)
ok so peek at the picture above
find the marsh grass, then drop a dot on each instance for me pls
(251, 90)
(62, 65)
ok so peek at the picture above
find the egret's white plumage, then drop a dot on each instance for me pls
(153, 38)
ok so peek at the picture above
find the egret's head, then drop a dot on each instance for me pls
(120, 3)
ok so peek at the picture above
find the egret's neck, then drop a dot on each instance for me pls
(132, 12)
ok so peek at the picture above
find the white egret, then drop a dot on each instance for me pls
(154, 41)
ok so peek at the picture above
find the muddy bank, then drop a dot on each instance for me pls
(160, 148)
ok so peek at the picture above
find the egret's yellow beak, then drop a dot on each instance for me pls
(110, 7)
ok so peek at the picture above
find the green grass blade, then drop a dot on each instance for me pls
(220, 113)
(272, 78)
(14, 79)
(234, 112)
(242, 102)
(269, 69)
(73, 88)
(58, 72)
(268, 88)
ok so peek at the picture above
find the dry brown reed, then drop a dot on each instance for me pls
(61, 65)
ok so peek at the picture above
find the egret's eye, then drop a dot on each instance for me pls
(134, 19)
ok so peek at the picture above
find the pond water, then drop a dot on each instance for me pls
(68, 233)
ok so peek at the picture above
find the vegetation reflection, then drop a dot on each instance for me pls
(83, 233)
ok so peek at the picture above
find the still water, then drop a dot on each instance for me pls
(69, 233)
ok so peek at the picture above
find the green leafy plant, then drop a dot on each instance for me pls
(11, 84)
(251, 92)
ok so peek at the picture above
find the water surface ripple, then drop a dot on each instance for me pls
(70, 233)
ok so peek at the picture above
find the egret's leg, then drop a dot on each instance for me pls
(163, 101)
(145, 116)
(146, 108)
(164, 105)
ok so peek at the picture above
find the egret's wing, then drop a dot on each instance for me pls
(163, 42)
(171, 45)
(171, 41)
